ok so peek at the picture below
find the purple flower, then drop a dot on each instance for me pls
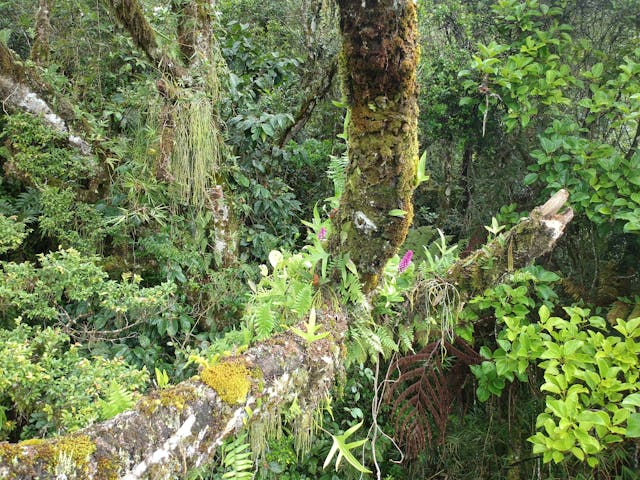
(405, 261)
(322, 234)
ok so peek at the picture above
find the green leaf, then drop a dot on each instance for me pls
(633, 426)
(344, 450)
(530, 178)
(397, 213)
(597, 70)
(549, 145)
(632, 400)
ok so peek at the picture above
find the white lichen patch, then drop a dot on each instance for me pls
(555, 226)
(163, 453)
(363, 223)
(24, 99)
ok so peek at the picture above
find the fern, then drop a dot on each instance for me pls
(425, 390)
(387, 341)
(118, 400)
(405, 338)
(337, 173)
(264, 320)
(236, 459)
(302, 298)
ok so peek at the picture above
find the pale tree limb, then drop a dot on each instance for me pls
(172, 431)
(21, 89)
(533, 237)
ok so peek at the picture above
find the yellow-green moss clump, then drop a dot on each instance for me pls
(231, 380)
(177, 397)
(78, 447)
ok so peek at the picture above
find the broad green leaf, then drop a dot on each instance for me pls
(632, 400)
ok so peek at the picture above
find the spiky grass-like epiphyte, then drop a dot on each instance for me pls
(197, 153)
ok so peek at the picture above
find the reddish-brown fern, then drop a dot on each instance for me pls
(424, 391)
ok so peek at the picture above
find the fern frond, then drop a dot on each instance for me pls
(264, 320)
(236, 459)
(423, 394)
(405, 338)
(302, 298)
(337, 173)
(387, 342)
(118, 400)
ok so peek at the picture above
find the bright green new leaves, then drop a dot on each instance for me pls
(592, 383)
(343, 449)
(601, 174)
(310, 335)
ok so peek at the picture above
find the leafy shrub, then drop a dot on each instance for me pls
(47, 387)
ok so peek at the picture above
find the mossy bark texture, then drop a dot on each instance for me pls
(40, 47)
(380, 53)
(175, 430)
(533, 237)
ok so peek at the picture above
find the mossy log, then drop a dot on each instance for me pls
(531, 238)
(175, 430)
(172, 431)
(380, 54)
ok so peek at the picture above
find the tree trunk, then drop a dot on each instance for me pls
(172, 431)
(380, 55)
(192, 149)
(40, 47)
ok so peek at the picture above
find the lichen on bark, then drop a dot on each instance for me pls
(380, 53)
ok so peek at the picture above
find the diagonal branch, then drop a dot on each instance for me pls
(22, 89)
(129, 14)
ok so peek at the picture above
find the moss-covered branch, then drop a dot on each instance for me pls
(174, 430)
(531, 238)
(318, 92)
(22, 89)
(380, 55)
(130, 15)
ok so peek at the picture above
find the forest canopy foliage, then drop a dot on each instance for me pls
(184, 203)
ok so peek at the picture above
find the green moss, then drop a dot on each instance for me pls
(78, 447)
(231, 380)
(177, 397)
(108, 469)
(31, 441)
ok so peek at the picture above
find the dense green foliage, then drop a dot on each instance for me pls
(110, 269)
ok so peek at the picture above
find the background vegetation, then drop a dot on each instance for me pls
(109, 276)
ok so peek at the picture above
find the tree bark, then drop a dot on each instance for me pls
(380, 55)
(40, 48)
(22, 89)
(172, 431)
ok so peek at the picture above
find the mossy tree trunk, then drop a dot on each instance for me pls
(191, 145)
(40, 48)
(380, 52)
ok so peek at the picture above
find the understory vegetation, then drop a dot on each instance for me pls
(125, 268)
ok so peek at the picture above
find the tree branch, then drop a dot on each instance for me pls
(531, 238)
(129, 14)
(318, 92)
